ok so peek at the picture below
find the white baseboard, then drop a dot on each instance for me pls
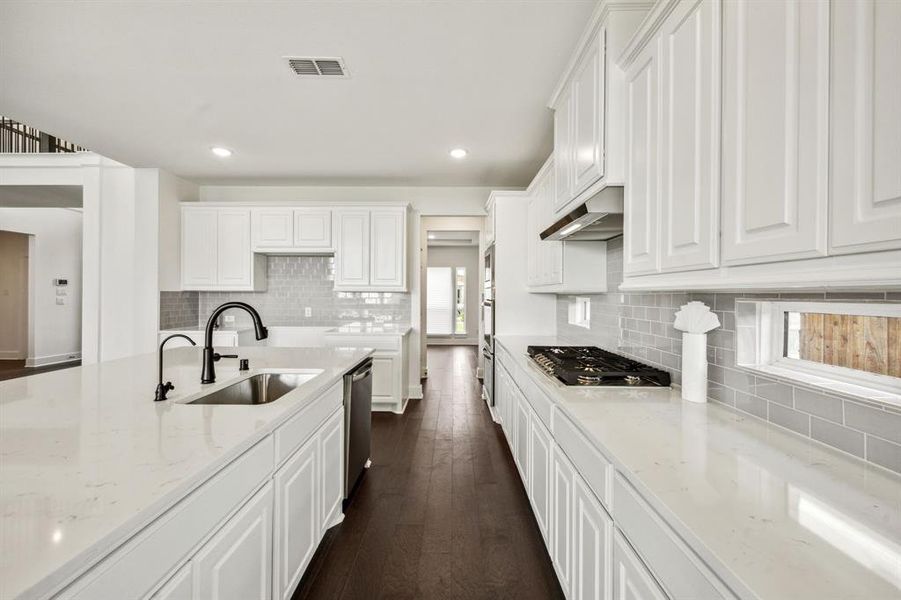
(391, 407)
(451, 342)
(11, 355)
(414, 392)
(53, 359)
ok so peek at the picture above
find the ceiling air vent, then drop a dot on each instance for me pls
(317, 67)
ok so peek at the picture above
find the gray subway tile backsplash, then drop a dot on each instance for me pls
(296, 283)
(641, 326)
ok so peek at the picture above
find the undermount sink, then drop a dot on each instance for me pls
(261, 388)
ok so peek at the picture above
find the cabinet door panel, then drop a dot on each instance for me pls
(592, 535)
(297, 518)
(540, 446)
(521, 416)
(235, 563)
(179, 587)
(199, 243)
(865, 211)
(352, 250)
(775, 129)
(331, 453)
(631, 579)
(383, 371)
(234, 262)
(690, 137)
(563, 154)
(640, 226)
(387, 242)
(273, 228)
(312, 228)
(588, 116)
(562, 520)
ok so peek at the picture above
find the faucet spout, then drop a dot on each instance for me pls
(209, 355)
(163, 388)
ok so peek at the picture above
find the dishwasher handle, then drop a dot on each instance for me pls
(364, 372)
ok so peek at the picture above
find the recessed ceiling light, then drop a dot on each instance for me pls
(221, 151)
(458, 153)
(431, 236)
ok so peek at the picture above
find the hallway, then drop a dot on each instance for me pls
(442, 512)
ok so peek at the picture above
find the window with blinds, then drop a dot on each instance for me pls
(439, 301)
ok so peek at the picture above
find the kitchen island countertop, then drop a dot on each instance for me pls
(87, 458)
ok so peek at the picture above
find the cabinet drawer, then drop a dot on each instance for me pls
(678, 569)
(134, 569)
(596, 470)
(299, 428)
(538, 400)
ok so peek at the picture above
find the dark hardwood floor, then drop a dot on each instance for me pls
(11, 369)
(442, 512)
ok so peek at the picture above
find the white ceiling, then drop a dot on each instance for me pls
(157, 83)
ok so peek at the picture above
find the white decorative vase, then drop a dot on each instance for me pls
(694, 367)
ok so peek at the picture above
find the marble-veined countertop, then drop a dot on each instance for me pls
(774, 514)
(87, 458)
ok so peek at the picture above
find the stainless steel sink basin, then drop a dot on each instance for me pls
(262, 388)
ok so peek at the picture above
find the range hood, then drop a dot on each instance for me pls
(599, 218)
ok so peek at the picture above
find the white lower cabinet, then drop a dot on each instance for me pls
(540, 473)
(297, 517)
(196, 551)
(592, 536)
(631, 579)
(591, 518)
(234, 564)
(561, 538)
(179, 587)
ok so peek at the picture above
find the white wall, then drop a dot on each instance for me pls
(55, 251)
(13, 295)
(120, 245)
(461, 256)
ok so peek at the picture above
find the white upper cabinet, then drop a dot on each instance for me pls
(234, 262)
(216, 251)
(588, 116)
(775, 129)
(563, 153)
(865, 194)
(640, 224)
(273, 228)
(313, 228)
(199, 238)
(387, 263)
(689, 136)
(371, 249)
(352, 247)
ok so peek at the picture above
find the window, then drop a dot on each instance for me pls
(580, 312)
(853, 349)
(460, 312)
(439, 308)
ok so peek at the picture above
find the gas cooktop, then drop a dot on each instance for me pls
(588, 365)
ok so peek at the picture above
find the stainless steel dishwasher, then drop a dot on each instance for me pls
(357, 424)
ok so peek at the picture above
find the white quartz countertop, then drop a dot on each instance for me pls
(371, 329)
(87, 457)
(774, 514)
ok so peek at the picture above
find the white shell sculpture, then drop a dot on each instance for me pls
(696, 317)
